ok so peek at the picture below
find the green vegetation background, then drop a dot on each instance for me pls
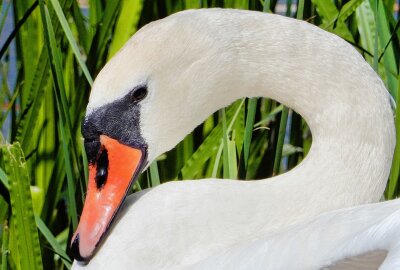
(61, 45)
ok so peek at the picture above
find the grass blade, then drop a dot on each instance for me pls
(328, 11)
(22, 209)
(154, 176)
(70, 181)
(4, 246)
(101, 38)
(4, 13)
(4, 179)
(34, 101)
(394, 178)
(217, 162)
(366, 28)
(232, 160)
(53, 242)
(389, 59)
(210, 145)
(16, 29)
(64, 123)
(225, 147)
(281, 139)
(251, 114)
(126, 25)
(71, 39)
(300, 10)
(346, 11)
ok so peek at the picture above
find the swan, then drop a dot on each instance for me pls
(174, 73)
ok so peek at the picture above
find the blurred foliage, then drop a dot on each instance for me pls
(62, 44)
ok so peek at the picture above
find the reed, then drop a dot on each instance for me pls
(47, 64)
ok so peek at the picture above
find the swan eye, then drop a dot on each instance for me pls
(139, 93)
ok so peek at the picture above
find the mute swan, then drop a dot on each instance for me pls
(174, 73)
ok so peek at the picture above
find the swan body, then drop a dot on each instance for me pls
(323, 242)
(329, 241)
(195, 62)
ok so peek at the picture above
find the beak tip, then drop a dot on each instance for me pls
(75, 251)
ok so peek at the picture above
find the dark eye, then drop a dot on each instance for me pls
(139, 93)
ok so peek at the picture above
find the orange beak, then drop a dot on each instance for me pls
(110, 178)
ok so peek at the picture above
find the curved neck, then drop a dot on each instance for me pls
(327, 82)
(235, 54)
(347, 108)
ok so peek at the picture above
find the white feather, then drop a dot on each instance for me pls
(196, 62)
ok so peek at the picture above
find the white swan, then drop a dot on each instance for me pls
(173, 74)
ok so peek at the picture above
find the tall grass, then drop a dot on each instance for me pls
(61, 45)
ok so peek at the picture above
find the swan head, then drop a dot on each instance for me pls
(142, 103)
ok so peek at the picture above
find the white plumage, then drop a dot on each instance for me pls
(195, 62)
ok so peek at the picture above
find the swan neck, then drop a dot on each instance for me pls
(344, 103)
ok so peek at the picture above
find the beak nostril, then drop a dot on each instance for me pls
(75, 250)
(102, 168)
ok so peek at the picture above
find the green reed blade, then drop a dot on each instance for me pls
(346, 11)
(20, 23)
(64, 126)
(217, 161)
(300, 9)
(328, 11)
(27, 237)
(34, 101)
(394, 178)
(250, 118)
(383, 34)
(154, 176)
(126, 25)
(210, 144)
(71, 39)
(4, 246)
(53, 242)
(4, 13)
(281, 139)
(4, 179)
